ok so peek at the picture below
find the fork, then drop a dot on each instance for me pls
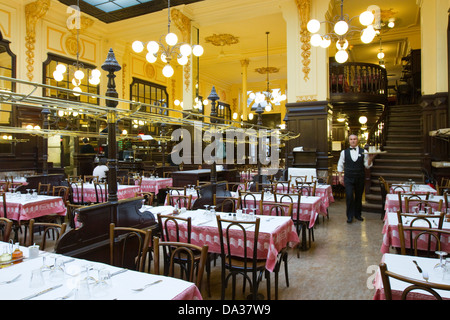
(67, 296)
(12, 280)
(146, 286)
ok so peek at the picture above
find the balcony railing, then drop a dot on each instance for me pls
(357, 82)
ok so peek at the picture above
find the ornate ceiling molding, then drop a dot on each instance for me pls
(222, 39)
(265, 70)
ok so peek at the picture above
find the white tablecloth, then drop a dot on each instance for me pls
(121, 284)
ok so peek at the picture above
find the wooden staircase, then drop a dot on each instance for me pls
(404, 146)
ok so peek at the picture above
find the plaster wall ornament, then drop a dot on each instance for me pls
(307, 98)
(304, 9)
(34, 11)
(183, 23)
(71, 41)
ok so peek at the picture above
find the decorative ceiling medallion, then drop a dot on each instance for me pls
(265, 70)
(223, 39)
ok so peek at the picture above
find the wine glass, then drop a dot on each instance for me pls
(253, 214)
(415, 209)
(439, 268)
(206, 210)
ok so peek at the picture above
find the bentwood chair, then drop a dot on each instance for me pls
(90, 178)
(422, 205)
(384, 190)
(236, 261)
(44, 188)
(128, 247)
(225, 204)
(101, 191)
(5, 228)
(171, 230)
(412, 286)
(431, 239)
(148, 197)
(285, 210)
(181, 201)
(195, 258)
(58, 229)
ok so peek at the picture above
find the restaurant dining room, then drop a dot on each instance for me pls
(220, 151)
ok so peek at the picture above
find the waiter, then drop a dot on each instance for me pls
(351, 174)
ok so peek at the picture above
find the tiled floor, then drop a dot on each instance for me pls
(340, 264)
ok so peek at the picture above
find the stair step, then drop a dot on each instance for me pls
(402, 176)
(400, 161)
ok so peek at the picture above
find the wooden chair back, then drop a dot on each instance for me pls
(179, 191)
(4, 204)
(225, 204)
(430, 220)
(168, 222)
(280, 209)
(422, 204)
(401, 188)
(429, 287)
(90, 178)
(5, 229)
(309, 187)
(181, 201)
(238, 259)
(432, 237)
(58, 229)
(61, 191)
(101, 191)
(76, 193)
(188, 252)
(44, 188)
(148, 197)
(128, 247)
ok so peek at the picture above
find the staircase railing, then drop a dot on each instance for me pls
(358, 82)
(377, 133)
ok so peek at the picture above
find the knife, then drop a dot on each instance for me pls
(418, 268)
(118, 272)
(42, 292)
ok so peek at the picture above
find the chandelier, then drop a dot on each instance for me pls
(270, 98)
(77, 73)
(341, 27)
(169, 49)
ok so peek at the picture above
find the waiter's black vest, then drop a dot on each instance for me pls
(354, 168)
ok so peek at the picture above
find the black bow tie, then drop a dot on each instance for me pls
(352, 148)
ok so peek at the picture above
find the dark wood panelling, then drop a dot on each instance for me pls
(312, 120)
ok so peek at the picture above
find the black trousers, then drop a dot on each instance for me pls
(354, 189)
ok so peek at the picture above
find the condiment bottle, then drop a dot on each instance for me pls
(6, 256)
(17, 254)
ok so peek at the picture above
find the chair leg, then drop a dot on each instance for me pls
(285, 259)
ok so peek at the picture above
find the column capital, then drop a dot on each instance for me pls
(245, 62)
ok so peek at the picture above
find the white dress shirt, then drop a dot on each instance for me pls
(354, 154)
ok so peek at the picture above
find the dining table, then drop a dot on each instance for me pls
(51, 276)
(391, 236)
(89, 195)
(154, 184)
(22, 207)
(275, 232)
(416, 189)
(404, 265)
(392, 202)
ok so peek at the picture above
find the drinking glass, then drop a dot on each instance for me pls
(206, 210)
(447, 270)
(83, 290)
(57, 271)
(415, 210)
(253, 214)
(213, 212)
(36, 279)
(439, 268)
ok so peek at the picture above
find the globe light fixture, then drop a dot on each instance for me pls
(341, 26)
(168, 48)
(78, 74)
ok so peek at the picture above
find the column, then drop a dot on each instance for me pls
(307, 109)
(244, 111)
